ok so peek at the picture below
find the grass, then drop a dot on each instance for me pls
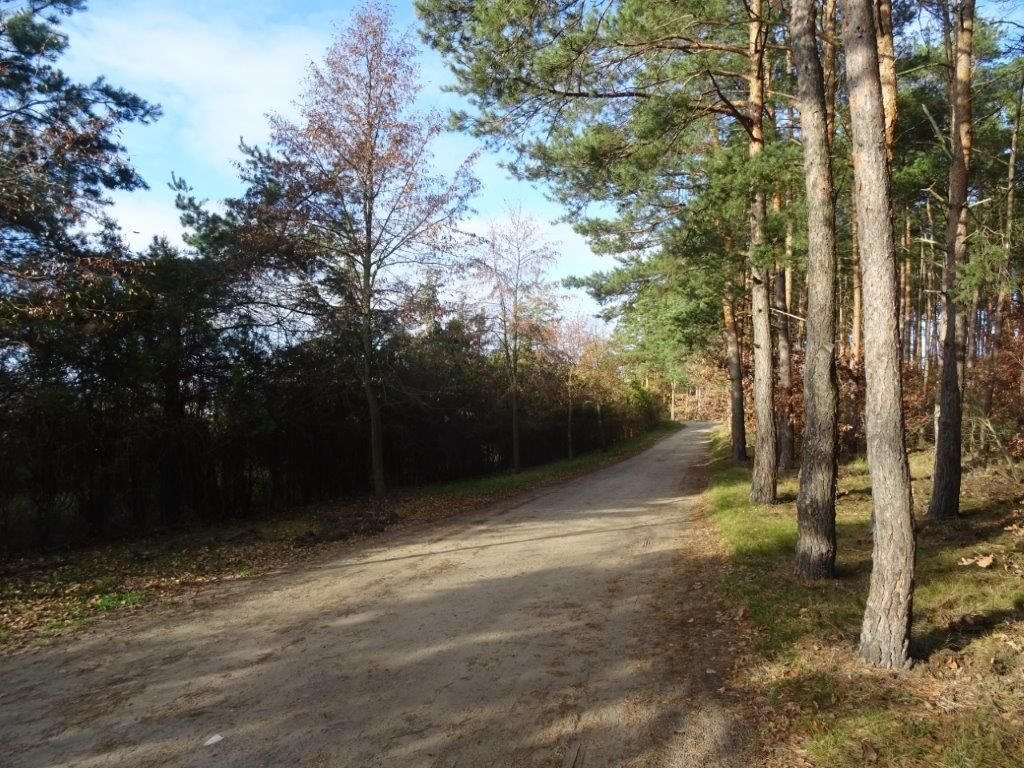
(46, 596)
(962, 704)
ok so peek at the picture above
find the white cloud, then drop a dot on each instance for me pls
(217, 69)
(145, 215)
(215, 75)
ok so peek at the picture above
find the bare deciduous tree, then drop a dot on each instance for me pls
(353, 184)
(512, 266)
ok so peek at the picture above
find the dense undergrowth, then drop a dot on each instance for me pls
(962, 703)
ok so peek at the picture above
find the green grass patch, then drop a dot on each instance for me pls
(110, 601)
(961, 705)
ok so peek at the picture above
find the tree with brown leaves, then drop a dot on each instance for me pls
(351, 195)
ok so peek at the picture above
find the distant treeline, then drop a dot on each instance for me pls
(170, 408)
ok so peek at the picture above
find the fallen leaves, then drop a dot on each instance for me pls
(47, 596)
(982, 561)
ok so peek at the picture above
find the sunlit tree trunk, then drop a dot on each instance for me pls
(737, 416)
(945, 500)
(887, 71)
(763, 483)
(885, 631)
(816, 516)
(856, 315)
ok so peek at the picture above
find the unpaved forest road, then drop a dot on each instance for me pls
(507, 637)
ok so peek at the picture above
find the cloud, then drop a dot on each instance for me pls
(216, 75)
(217, 69)
(145, 215)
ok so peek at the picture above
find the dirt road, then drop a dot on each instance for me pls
(523, 635)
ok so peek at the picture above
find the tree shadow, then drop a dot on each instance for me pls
(960, 633)
(498, 640)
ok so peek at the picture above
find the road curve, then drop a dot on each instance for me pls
(522, 635)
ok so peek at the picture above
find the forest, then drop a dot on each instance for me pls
(811, 208)
(811, 216)
(332, 331)
(819, 198)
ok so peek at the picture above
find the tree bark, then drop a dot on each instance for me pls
(816, 499)
(830, 69)
(784, 417)
(885, 631)
(815, 504)
(856, 323)
(763, 482)
(737, 417)
(946, 476)
(887, 71)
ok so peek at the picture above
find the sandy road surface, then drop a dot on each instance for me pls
(523, 635)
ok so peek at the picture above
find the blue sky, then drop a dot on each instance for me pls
(217, 69)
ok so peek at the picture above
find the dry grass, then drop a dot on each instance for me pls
(961, 705)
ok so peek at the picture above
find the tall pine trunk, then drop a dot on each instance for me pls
(857, 314)
(784, 415)
(885, 632)
(815, 505)
(737, 416)
(763, 483)
(946, 476)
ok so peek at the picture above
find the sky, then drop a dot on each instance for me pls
(218, 68)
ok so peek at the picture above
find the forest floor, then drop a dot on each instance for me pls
(796, 674)
(579, 625)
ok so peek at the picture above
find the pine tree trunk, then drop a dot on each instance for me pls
(763, 482)
(737, 417)
(886, 70)
(784, 416)
(830, 45)
(857, 322)
(885, 632)
(815, 504)
(946, 476)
